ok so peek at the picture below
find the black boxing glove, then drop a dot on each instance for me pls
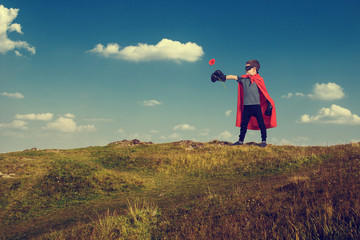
(269, 108)
(214, 78)
(220, 75)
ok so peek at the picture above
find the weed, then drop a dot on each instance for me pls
(139, 222)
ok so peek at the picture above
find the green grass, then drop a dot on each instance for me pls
(182, 190)
(138, 223)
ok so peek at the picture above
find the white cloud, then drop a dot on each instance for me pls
(335, 115)
(184, 126)
(322, 91)
(68, 125)
(13, 95)
(6, 44)
(121, 131)
(86, 128)
(228, 112)
(15, 27)
(150, 103)
(166, 49)
(224, 135)
(299, 141)
(62, 124)
(289, 95)
(327, 91)
(19, 124)
(174, 135)
(305, 118)
(69, 115)
(34, 116)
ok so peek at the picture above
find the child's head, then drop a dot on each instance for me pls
(254, 63)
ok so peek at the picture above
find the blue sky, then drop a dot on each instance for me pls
(84, 73)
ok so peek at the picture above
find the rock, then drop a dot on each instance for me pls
(190, 145)
(220, 142)
(32, 149)
(135, 141)
(122, 142)
(126, 143)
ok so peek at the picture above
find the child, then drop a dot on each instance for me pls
(255, 108)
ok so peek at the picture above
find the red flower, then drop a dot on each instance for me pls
(212, 62)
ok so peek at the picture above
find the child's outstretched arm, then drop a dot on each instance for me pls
(231, 77)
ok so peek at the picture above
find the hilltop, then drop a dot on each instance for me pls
(181, 190)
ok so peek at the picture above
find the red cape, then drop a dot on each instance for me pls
(270, 121)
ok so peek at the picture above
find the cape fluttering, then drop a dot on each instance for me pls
(270, 121)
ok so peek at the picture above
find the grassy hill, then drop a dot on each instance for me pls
(181, 190)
